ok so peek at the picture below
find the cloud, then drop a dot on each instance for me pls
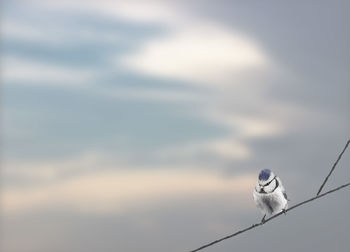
(152, 94)
(47, 171)
(21, 31)
(139, 11)
(193, 49)
(119, 190)
(58, 34)
(200, 54)
(24, 71)
(228, 148)
(247, 126)
(241, 128)
(196, 50)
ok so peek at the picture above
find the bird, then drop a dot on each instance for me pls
(269, 194)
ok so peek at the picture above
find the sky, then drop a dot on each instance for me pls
(142, 125)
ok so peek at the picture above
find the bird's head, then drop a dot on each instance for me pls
(265, 181)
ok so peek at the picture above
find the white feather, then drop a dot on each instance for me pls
(271, 202)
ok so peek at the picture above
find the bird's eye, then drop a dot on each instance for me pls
(269, 182)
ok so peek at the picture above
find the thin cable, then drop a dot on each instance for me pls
(333, 167)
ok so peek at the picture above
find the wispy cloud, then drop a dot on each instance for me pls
(205, 54)
(17, 70)
(58, 34)
(117, 190)
(196, 50)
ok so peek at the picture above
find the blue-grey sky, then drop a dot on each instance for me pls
(142, 125)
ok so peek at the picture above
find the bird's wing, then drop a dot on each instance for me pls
(282, 188)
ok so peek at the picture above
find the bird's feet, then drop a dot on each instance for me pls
(284, 211)
(263, 219)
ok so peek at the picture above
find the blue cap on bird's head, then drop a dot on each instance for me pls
(264, 174)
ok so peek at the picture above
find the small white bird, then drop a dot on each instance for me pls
(269, 194)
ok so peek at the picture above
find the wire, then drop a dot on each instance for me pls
(334, 165)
